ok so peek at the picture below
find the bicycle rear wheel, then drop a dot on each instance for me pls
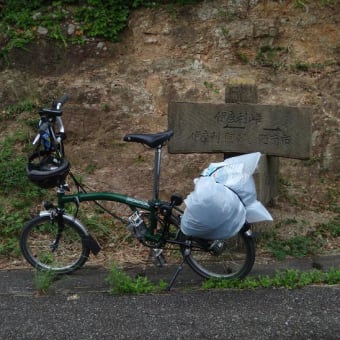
(228, 259)
(48, 247)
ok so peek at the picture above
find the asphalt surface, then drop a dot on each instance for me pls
(78, 306)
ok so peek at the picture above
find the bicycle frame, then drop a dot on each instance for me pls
(104, 196)
(150, 206)
(131, 202)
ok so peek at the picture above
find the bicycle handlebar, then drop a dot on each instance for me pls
(44, 126)
(60, 102)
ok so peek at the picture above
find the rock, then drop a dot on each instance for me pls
(42, 30)
(71, 29)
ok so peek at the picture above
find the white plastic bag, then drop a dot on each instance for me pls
(256, 212)
(223, 199)
(212, 211)
(237, 174)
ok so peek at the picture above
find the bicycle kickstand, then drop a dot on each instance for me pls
(180, 266)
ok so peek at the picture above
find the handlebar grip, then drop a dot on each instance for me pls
(63, 99)
(60, 102)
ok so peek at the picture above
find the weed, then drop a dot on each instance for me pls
(9, 245)
(311, 67)
(225, 32)
(90, 168)
(211, 87)
(121, 283)
(284, 186)
(11, 165)
(327, 2)
(96, 18)
(312, 161)
(79, 178)
(299, 246)
(106, 107)
(289, 278)
(241, 56)
(139, 159)
(12, 169)
(16, 192)
(333, 198)
(299, 4)
(332, 227)
(102, 227)
(271, 56)
(103, 19)
(12, 111)
(43, 281)
(300, 66)
(332, 277)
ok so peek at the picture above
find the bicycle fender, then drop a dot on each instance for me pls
(69, 218)
(90, 242)
(93, 245)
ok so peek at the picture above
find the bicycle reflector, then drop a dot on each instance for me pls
(47, 171)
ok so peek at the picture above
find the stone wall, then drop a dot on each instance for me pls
(186, 54)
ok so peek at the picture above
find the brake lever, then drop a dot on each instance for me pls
(36, 139)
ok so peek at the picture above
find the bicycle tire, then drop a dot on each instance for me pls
(38, 238)
(233, 261)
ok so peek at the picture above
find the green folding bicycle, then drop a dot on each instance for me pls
(57, 241)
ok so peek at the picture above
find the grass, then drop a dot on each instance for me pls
(300, 66)
(271, 56)
(43, 281)
(10, 227)
(121, 283)
(12, 111)
(20, 20)
(242, 57)
(290, 278)
(17, 194)
(298, 246)
(302, 4)
(275, 58)
(211, 87)
(332, 227)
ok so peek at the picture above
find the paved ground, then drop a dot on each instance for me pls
(79, 307)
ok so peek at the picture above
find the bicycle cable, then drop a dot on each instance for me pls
(80, 188)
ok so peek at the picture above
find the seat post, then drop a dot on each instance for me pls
(157, 172)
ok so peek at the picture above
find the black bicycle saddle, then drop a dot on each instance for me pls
(150, 139)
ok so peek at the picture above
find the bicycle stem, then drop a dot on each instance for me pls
(157, 172)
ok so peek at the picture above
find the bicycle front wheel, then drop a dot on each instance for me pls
(232, 258)
(48, 246)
